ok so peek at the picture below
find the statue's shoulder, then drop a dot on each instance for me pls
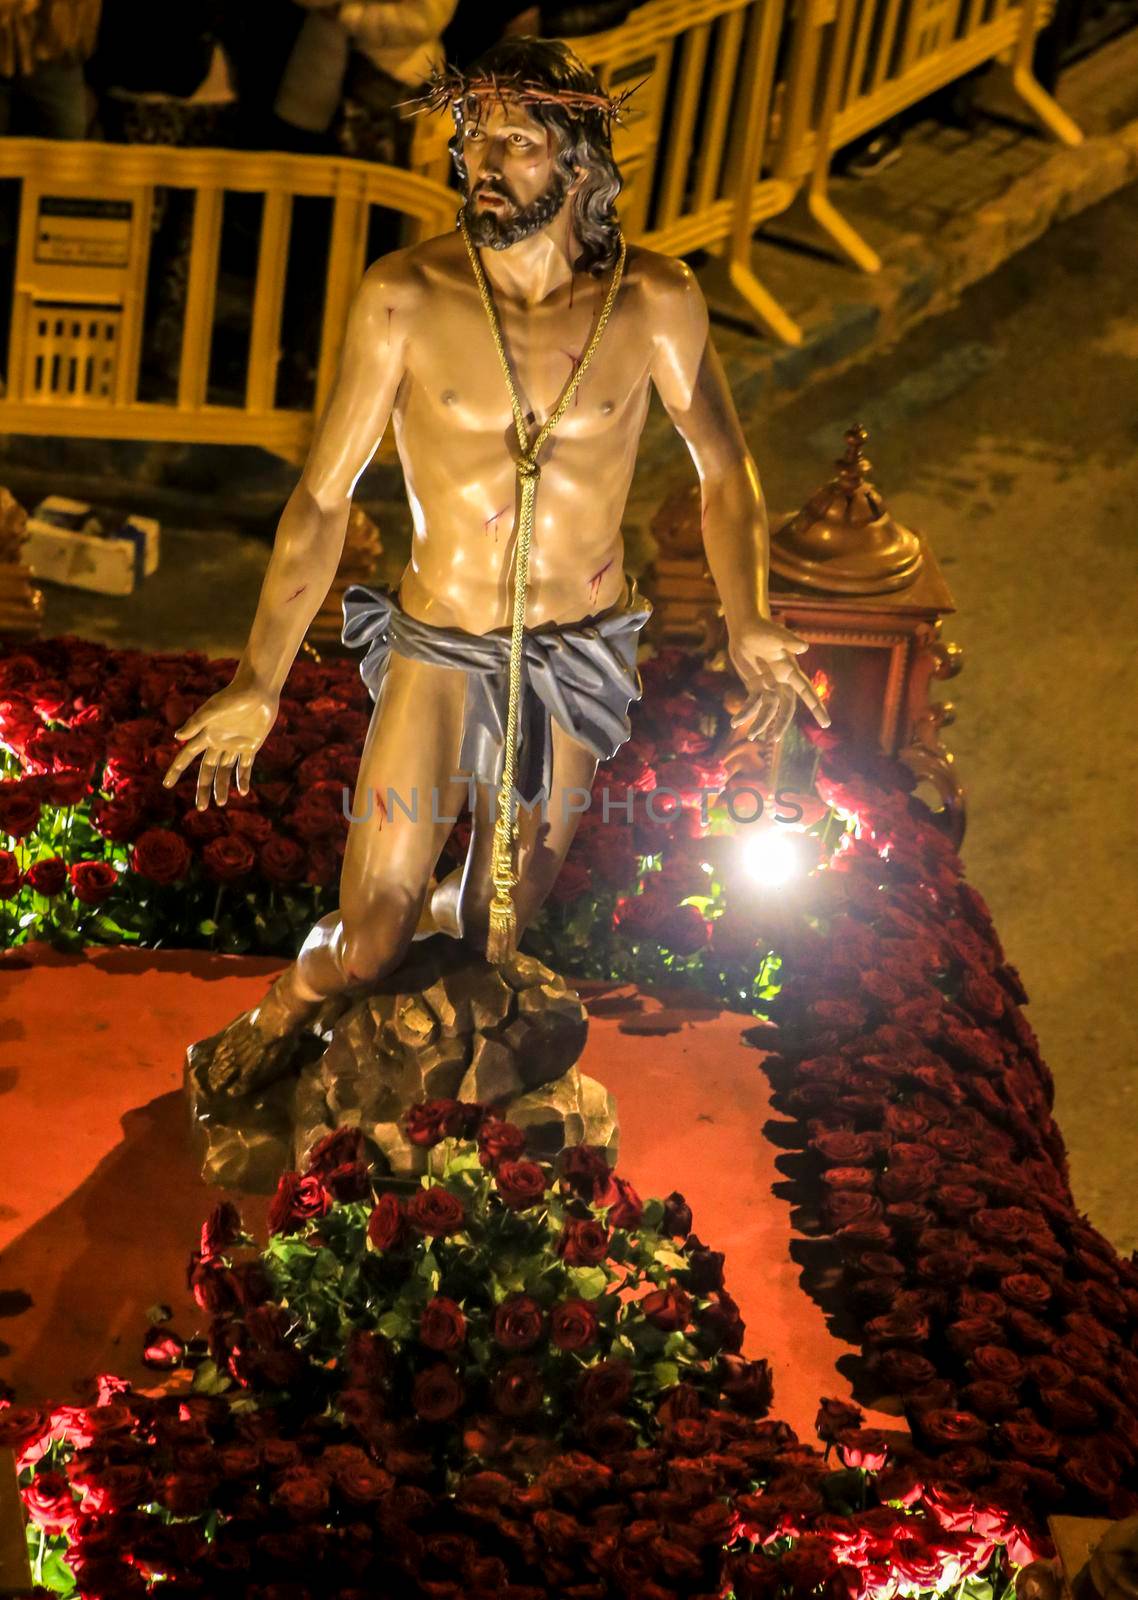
(408, 277)
(659, 277)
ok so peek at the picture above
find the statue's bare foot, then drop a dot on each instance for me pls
(257, 1047)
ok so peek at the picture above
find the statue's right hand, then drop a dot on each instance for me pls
(227, 731)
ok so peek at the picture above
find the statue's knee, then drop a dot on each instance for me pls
(372, 944)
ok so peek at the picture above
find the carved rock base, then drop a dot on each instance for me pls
(447, 1024)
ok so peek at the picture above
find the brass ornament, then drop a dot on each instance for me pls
(845, 540)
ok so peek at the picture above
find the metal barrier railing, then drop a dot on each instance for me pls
(743, 105)
(81, 260)
(867, 60)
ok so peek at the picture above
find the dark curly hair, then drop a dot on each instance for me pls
(583, 137)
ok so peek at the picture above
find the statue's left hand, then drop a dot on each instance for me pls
(764, 657)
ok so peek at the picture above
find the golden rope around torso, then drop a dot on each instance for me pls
(503, 923)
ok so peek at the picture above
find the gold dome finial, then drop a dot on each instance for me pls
(844, 540)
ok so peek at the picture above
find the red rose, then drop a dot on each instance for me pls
(677, 1220)
(50, 1503)
(47, 876)
(582, 1243)
(862, 1178)
(437, 1393)
(722, 1320)
(586, 1171)
(11, 878)
(518, 1323)
(904, 1370)
(202, 826)
(282, 860)
(431, 1121)
(863, 1448)
(990, 1399)
(1069, 1412)
(252, 826)
(1093, 1478)
(844, 1148)
(442, 1325)
(684, 930)
(520, 1183)
(160, 855)
(387, 1226)
(517, 1388)
(68, 788)
(983, 996)
(604, 1386)
(852, 1205)
(120, 819)
(748, 1385)
(946, 1429)
(19, 808)
(313, 821)
(228, 859)
(343, 1147)
(302, 1493)
(297, 1200)
(668, 1309)
(221, 1229)
(92, 882)
(897, 1327)
(436, 1212)
(573, 1325)
(628, 1209)
(997, 1362)
(836, 1417)
(361, 1484)
(498, 1139)
(642, 914)
(1027, 1290)
(1031, 1442)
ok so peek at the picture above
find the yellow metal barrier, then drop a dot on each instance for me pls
(867, 60)
(82, 255)
(741, 109)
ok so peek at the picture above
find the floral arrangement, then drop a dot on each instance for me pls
(1003, 1325)
(98, 851)
(517, 1381)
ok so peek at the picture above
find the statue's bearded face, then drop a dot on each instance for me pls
(514, 185)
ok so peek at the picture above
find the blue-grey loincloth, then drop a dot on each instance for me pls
(581, 675)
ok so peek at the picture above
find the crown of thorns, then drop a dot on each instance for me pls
(447, 84)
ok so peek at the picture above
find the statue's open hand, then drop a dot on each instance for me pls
(763, 657)
(227, 731)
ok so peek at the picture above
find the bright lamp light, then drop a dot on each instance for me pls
(770, 857)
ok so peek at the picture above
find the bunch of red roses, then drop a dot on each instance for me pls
(513, 1382)
(524, 1301)
(100, 851)
(1005, 1323)
(196, 1498)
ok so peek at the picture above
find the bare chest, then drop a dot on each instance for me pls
(457, 378)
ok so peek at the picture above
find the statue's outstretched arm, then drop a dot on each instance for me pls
(689, 377)
(230, 727)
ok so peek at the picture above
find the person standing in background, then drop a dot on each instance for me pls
(395, 46)
(43, 45)
(353, 62)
